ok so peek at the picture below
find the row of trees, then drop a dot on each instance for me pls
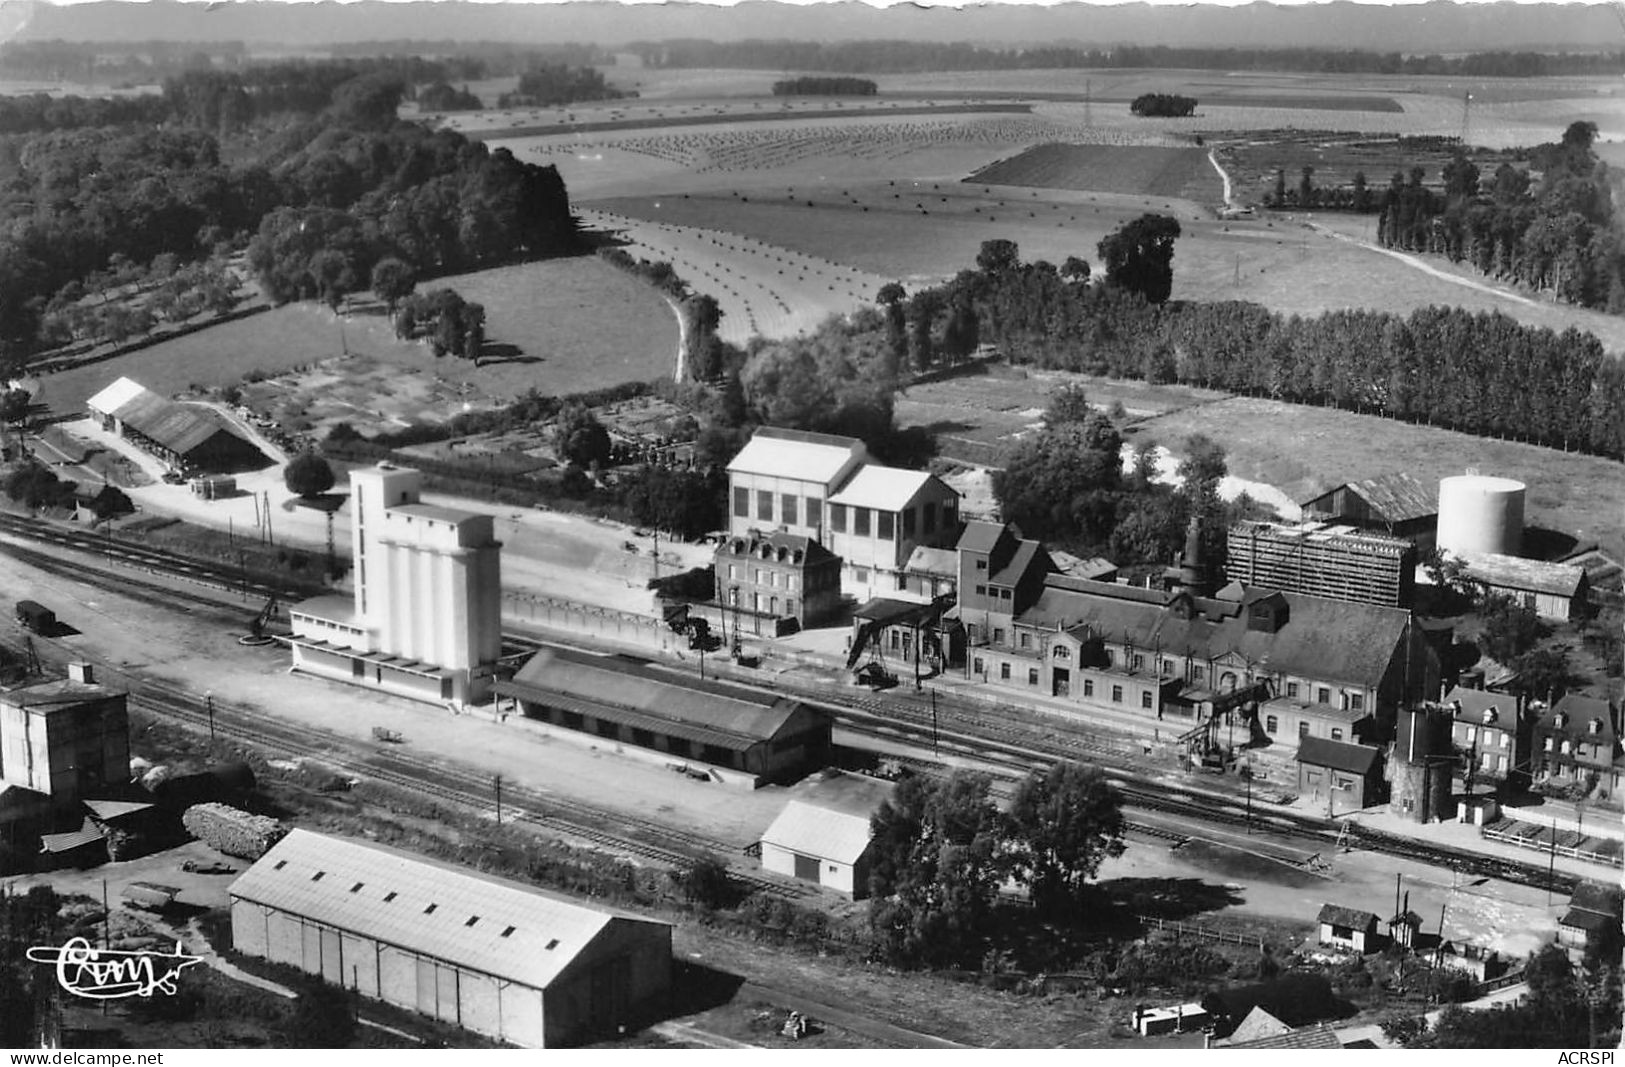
(556, 84)
(1481, 373)
(825, 86)
(129, 300)
(942, 850)
(1553, 235)
(892, 57)
(1163, 105)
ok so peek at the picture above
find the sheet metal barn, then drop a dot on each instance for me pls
(494, 957)
(735, 735)
(182, 435)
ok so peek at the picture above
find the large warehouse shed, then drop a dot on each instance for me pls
(182, 435)
(491, 956)
(736, 735)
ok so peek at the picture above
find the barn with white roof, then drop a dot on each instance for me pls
(495, 957)
(822, 835)
(186, 436)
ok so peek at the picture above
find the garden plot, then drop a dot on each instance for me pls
(372, 396)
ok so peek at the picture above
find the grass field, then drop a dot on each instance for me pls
(573, 325)
(1304, 451)
(1173, 172)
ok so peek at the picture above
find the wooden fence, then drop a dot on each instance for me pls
(1207, 933)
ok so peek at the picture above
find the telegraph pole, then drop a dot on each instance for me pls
(497, 783)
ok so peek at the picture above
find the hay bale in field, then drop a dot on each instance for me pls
(233, 831)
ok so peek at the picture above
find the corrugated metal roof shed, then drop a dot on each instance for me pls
(177, 427)
(817, 831)
(485, 924)
(1397, 497)
(667, 701)
(1531, 575)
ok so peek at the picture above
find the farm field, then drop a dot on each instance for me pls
(1305, 450)
(763, 289)
(562, 326)
(1276, 261)
(1183, 173)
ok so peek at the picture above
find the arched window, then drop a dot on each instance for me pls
(1227, 680)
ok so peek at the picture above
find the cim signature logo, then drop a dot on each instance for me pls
(107, 974)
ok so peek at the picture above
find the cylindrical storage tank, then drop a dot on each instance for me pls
(1480, 515)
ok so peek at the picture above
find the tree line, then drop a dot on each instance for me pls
(825, 86)
(904, 57)
(1556, 234)
(1163, 105)
(1477, 372)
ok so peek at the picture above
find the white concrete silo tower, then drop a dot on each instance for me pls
(1480, 515)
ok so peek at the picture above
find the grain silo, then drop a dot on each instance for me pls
(1480, 515)
(1423, 764)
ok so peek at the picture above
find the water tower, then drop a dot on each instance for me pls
(1423, 763)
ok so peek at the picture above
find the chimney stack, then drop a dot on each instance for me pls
(82, 673)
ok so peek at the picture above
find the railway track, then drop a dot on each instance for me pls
(154, 560)
(972, 733)
(458, 787)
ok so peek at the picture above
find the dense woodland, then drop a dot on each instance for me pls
(904, 57)
(309, 158)
(813, 86)
(1163, 105)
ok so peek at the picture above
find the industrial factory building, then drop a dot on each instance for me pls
(61, 742)
(501, 959)
(185, 436)
(727, 733)
(1315, 559)
(824, 488)
(426, 617)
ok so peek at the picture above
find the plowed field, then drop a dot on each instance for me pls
(1181, 172)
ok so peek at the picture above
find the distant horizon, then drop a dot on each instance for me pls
(956, 4)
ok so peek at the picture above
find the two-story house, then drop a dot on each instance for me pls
(778, 575)
(1576, 742)
(1492, 732)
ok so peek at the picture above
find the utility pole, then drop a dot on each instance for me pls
(208, 699)
(496, 782)
(1551, 865)
(1249, 792)
(935, 749)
